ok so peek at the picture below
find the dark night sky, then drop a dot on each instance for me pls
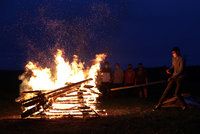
(130, 31)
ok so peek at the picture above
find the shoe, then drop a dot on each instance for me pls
(157, 107)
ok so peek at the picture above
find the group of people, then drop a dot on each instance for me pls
(118, 77)
(130, 76)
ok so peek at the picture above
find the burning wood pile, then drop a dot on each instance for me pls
(41, 96)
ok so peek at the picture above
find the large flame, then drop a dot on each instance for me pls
(38, 78)
(66, 72)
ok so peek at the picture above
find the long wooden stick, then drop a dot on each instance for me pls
(136, 86)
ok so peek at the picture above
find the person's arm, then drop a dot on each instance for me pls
(146, 77)
(169, 70)
(134, 76)
(122, 77)
(111, 75)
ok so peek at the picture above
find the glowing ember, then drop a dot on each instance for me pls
(80, 100)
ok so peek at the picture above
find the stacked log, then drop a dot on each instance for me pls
(74, 100)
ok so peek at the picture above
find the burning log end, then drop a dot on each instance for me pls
(88, 86)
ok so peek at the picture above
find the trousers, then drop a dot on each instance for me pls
(178, 82)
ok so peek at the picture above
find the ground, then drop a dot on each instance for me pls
(125, 115)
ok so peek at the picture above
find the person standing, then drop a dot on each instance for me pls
(177, 71)
(118, 76)
(141, 78)
(129, 76)
(106, 79)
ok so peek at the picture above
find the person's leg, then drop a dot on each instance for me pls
(164, 95)
(140, 90)
(178, 93)
(108, 90)
(141, 93)
(104, 89)
(178, 87)
(145, 92)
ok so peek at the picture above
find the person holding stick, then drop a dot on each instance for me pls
(178, 67)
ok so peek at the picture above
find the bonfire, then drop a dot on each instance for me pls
(70, 90)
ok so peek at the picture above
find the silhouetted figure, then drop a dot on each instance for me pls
(129, 76)
(118, 76)
(141, 78)
(178, 67)
(105, 79)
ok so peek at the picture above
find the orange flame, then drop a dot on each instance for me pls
(66, 72)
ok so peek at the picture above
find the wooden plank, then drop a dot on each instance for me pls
(137, 86)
